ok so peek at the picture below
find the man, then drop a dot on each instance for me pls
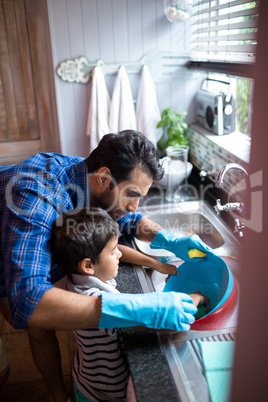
(32, 195)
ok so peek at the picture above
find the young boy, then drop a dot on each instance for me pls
(84, 244)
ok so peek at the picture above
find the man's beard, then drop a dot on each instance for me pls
(106, 202)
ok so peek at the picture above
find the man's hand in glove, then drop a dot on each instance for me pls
(170, 310)
(181, 246)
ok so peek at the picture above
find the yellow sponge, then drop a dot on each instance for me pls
(193, 252)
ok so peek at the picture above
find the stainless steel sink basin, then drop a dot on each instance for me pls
(184, 224)
(185, 219)
(188, 218)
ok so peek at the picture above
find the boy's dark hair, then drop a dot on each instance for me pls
(122, 152)
(80, 234)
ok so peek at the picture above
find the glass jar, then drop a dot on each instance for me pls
(177, 173)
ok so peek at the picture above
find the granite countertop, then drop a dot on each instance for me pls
(151, 375)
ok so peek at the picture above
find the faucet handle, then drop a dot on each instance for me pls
(229, 207)
(202, 173)
(238, 227)
(207, 173)
(218, 207)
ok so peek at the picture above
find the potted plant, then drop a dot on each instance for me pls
(174, 129)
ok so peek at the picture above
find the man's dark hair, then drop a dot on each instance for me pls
(80, 234)
(122, 153)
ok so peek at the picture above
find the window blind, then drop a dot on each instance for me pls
(224, 31)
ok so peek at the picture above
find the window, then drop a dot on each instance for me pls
(243, 92)
(224, 39)
(224, 36)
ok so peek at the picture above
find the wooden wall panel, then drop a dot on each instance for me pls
(105, 30)
(120, 29)
(114, 31)
(90, 28)
(77, 47)
(149, 33)
(134, 30)
(65, 94)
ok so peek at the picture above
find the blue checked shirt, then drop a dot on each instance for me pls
(33, 194)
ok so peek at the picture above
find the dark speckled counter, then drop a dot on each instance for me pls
(151, 376)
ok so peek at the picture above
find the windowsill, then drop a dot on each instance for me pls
(236, 143)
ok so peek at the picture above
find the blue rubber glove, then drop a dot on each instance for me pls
(170, 310)
(180, 245)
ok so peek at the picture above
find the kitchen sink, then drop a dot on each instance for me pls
(187, 218)
(181, 349)
(183, 224)
(184, 219)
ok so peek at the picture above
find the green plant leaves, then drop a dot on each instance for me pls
(175, 129)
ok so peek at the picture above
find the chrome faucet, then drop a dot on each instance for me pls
(225, 169)
(231, 206)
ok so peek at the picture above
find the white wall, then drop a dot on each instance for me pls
(113, 31)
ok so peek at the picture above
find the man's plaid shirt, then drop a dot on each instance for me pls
(33, 194)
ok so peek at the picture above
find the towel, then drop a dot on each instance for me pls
(147, 110)
(98, 115)
(218, 364)
(122, 112)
